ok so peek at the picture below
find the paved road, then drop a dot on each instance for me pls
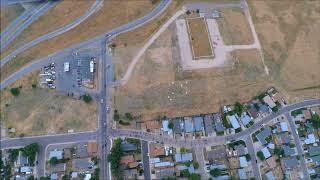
(119, 30)
(252, 153)
(299, 146)
(146, 159)
(12, 2)
(200, 159)
(17, 30)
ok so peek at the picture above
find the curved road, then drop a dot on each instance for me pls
(122, 29)
(96, 6)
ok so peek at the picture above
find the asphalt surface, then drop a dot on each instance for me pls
(12, 33)
(12, 2)
(119, 30)
(146, 159)
(299, 146)
(252, 153)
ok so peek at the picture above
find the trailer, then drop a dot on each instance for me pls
(66, 66)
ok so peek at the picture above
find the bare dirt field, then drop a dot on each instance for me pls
(59, 16)
(158, 86)
(199, 37)
(289, 34)
(9, 13)
(111, 15)
(234, 27)
(37, 111)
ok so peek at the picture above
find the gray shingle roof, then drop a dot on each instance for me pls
(208, 124)
(290, 163)
(188, 125)
(198, 123)
(261, 136)
(178, 125)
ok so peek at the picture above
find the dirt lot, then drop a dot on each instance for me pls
(59, 16)
(9, 13)
(159, 87)
(234, 27)
(289, 34)
(111, 15)
(199, 36)
(38, 111)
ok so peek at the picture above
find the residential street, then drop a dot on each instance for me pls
(252, 153)
(145, 159)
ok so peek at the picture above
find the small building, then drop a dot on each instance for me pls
(54, 176)
(208, 125)
(234, 122)
(178, 126)
(245, 119)
(253, 112)
(290, 163)
(198, 124)
(271, 162)
(152, 125)
(183, 157)
(164, 173)
(26, 170)
(188, 125)
(283, 138)
(154, 160)
(284, 126)
(61, 167)
(289, 151)
(127, 147)
(56, 153)
(219, 127)
(266, 152)
(22, 160)
(240, 149)
(243, 161)
(156, 150)
(261, 136)
(306, 114)
(66, 66)
(267, 99)
(314, 150)
(165, 127)
(264, 109)
(316, 160)
(163, 164)
(310, 139)
(92, 148)
(242, 174)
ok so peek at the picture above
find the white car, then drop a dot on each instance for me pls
(101, 100)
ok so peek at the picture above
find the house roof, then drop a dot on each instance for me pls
(81, 164)
(219, 126)
(25, 169)
(261, 136)
(310, 139)
(270, 175)
(56, 153)
(253, 112)
(152, 124)
(266, 152)
(178, 125)
(156, 150)
(307, 114)
(217, 153)
(264, 108)
(130, 173)
(267, 99)
(217, 116)
(208, 124)
(54, 176)
(271, 162)
(283, 138)
(165, 172)
(290, 163)
(164, 164)
(284, 126)
(240, 150)
(126, 159)
(22, 160)
(242, 174)
(234, 122)
(289, 151)
(154, 160)
(61, 167)
(198, 123)
(314, 150)
(245, 119)
(188, 125)
(128, 147)
(316, 159)
(243, 161)
(183, 157)
(92, 147)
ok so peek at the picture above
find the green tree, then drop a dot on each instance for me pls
(87, 98)
(185, 173)
(128, 116)
(115, 157)
(30, 178)
(170, 125)
(96, 174)
(215, 172)
(13, 154)
(54, 161)
(260, 155)
(31, 151)
(238, 108)
(315, 118)
(66, 177)
(196, 165)
(183, 150)
(116, 115)
(15, 91)
(194, 176)
(44, 178)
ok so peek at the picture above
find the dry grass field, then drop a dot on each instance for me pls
(158, 86)
(8, 14)
(111, 15)
(38, 111)
(199, 37)
(59, 16)
(234, 27)
(289, 34)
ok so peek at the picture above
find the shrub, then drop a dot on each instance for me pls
(15, 91)
(260, 155)
(54, 161)
(215, 172)
(87, 98)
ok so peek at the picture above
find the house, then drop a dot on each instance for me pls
(208, 125)
(81, 165)
(264, 109)
(310, 139)
(165, 127)
(242, 174)
(198, 124)
(290, 163)
(188, 125)
(283, 138)
(267, 99)
(234, 122)
(289, 151)
(152, 125)
(306, 114)
(183, 157)
(154, 160)
(314, 150)
(164, 173)
(316, 160)
(61, 167)
(127, 147)
(126, 159)
(54, 176)
(163, 164)
(266, 152)
(261, 136)
(240, 149)
(253, 112)
(271, 162)
(74, 175)
(243, 161)
(178, 126)
(269, 176)
(22, 160)
(271, 146)
(245, 119)
(87, 177)
(92, 148)
(26, 170)
(216, 154)
(56, 153)
(284, 126)
(156, 150)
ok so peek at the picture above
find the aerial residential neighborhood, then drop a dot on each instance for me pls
(159, 89)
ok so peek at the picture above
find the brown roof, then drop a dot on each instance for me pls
(92, 147)
(156, 149)
(271, 162)
(152, 125)
(127, 159)
(277, 97)
(307, 114)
